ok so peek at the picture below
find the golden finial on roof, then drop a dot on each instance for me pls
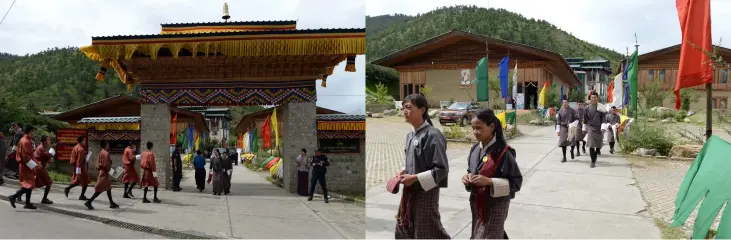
(225, 12)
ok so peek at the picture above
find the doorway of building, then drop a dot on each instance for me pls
(531, 95)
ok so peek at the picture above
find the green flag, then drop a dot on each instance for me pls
(558, 99)
(185, 140)
(510, 117)
(707, 180)
(632, 79)
(255, 140)
(482, 88)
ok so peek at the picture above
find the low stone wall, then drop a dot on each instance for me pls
(346, 173)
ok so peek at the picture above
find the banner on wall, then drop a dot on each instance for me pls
(67, 139)
(520, 100)
(465, 80)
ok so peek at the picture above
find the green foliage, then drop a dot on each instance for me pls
(687, 96)
(238, 112)
(681, 115)
(653, 94)
(577, 95)
(379, 96)
(426, 91)
(647, 135)
(454, 132)
(386, 34)
(382, 75)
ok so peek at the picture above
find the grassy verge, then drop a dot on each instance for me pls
(668, 232)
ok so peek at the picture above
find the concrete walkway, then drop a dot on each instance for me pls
(254, 209)
(557, 200)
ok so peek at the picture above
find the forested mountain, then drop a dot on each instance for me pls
(390, 33)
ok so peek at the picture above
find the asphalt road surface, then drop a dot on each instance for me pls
(36, 224)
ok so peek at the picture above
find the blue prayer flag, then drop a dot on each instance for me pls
(504, 77)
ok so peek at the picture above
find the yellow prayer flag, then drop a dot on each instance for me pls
(501, 117)
(276, 129)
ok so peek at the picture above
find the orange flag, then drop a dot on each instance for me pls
(695, 25)
(266, 133)
(610, 94)
(173, 138)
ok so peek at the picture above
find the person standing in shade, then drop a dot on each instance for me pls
(27, 168)
(217, 173)
(319, 170)
(593, 127)
(303, 172)
(103, 181)
(493, 177)
(426, 171)
(149, 173)
(130, 176)
(42, 155)
(227, 171)
(177, 163)
(79, 157)
(3, 157)
(579, 137)
(18, 134)
(199, 163)
(565, 116)
(612, 118)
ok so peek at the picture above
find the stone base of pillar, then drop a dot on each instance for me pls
(300, 131)
(155, 128)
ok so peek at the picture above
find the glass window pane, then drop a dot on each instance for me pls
(662, 75)
(724, 75)
(651, 75)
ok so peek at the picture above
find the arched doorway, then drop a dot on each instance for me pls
(531, 95)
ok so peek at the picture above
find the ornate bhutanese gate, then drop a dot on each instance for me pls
(225, 64)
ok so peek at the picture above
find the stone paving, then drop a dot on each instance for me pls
(659, 181)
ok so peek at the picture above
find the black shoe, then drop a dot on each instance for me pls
(130, 194)
(572, 155)
(126, 196)
(592, 165)
(30, 206)
(113, 205)
(88, 205)
(156, 200)
(66, 192)
(584, 150)
(46, 201)
(563, 160)
(11, 199)
(578, 154)
(598, 153)
(327, 201)
(83, 198)
(200, 190)
(145, 200)
(309, 199)
(611, 151)
(18, 200)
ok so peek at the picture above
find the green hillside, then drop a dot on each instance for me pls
(392, 33)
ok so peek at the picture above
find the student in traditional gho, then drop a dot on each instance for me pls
(426, 171)
(565, 116)
(593, 121)
(227, 171)
(149, 173)
(612, 119)
(79, 158)
(27, 167)
(103, 181)
(130, 176)
(42, 155)
(492, 178)
(580, 134)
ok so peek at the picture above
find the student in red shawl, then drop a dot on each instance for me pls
(27, 168)
(130, 177)
(42, 155)
(149, 173)
(79, 157)
(492, 177)
(103, 181)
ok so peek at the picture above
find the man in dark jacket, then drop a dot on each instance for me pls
(319, 169)
(177, 163)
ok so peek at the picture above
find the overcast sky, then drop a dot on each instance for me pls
(608, 23)
(36, 25)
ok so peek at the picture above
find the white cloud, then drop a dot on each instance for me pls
(34, 26)
(611, 24)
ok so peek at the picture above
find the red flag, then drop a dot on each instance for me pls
(266, 132)
(695, 24)
(610, 95)
(175, 130)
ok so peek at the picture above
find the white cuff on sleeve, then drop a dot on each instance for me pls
(52, 152)
(78, 170)
(558, 128)
(88, 155)
(426, 180)
(15, 148)
(576, 122)
(500, 187)
(583, 128)
(154, 174)
(31, 164)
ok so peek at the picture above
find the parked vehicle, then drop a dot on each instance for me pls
(459, 112)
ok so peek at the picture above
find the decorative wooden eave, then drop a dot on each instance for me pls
(675, 49)
(247, 121)
(216, 27)
(341, 122)
(559, 63)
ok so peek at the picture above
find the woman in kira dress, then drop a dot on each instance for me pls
(565, 116)
(149, 173)
(217, 173)
(103, 181)
(425, 172)
(492, 178)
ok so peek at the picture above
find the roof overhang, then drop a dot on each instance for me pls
(246, 121)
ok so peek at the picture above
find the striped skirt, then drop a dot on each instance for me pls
(425, 222)
(493, 227)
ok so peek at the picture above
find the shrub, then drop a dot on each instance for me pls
(454, 132)
(681, 115)
(648, 136)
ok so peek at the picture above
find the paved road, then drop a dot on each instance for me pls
(19, 223)
(557, 200)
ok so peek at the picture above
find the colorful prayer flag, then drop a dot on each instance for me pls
(515, 83)
(276, 129)
(482, 88)
(173, 139)
(695, 24)
(542, 95)
(615, 92)
(503, 76)
(632, 79)
(266, 133)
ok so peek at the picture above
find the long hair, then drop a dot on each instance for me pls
(420, 102)
(487, 116)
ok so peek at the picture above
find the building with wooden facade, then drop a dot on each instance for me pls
(593, 74)
(445, 61)
(662, 65)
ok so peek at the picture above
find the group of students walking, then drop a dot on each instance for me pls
(221, 170)
(492, 177)
(32, 161)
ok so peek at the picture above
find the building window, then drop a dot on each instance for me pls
(662, 75)
(412, 89)
(724, 75)
(719, 102)
(651, 74)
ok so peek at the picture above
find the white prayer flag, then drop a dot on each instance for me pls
(617, 96)
(515, 82)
